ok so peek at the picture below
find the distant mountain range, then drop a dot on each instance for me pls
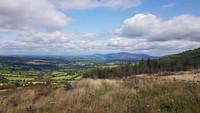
(119, 57)
(125, 55)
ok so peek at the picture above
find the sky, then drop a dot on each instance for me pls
(83, 27)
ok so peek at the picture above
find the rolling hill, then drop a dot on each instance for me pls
(120, 57)
(125, 55)
(191, 56)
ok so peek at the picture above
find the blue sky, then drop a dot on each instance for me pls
(74, 27)
(101, 19)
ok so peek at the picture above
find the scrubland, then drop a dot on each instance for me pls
(177, 93)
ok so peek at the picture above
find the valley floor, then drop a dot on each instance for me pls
(169, 93)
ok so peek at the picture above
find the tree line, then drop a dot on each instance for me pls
(148, 66)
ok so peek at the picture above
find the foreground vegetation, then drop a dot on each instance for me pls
(134, 94)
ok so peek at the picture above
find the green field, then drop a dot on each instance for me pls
(78, 78)
(33, 72)
(15, 71)
(57, 73)
(62, 77)
(19, 78)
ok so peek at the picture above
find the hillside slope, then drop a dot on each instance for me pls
(134, 94)
(191, 56)
(184, 61)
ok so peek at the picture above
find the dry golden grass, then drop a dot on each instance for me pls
(135, 94)
(184, 76)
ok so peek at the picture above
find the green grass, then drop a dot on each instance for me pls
(62, 77)
(18, 72)
(78, 78)
(57, 73)
(19, 78)
(33, 72)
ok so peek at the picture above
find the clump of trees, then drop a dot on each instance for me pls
(148, 66)
(3, 79)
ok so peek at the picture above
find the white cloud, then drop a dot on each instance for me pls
(151, 48)
(153, 28)
(123, 42)
(51, 37)
(149, 34)
(168, 5)
(43, 37)
(67, 48)
(139, 25)
(29, 14)
(143, 33)
(89, 4)
(72, 45)
(38, 42)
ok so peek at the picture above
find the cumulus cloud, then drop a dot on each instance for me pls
(29, 14)
(89, 4)
(153, 28)
(123, 42)
(147, 33)
(139, 25)
(67, 48)
(142, 33)
(51, 37)
(73, 46)
(152, 48)
(43, 37)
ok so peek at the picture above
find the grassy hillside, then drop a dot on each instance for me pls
(134, 94)
(185, 61)
(193, 56)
